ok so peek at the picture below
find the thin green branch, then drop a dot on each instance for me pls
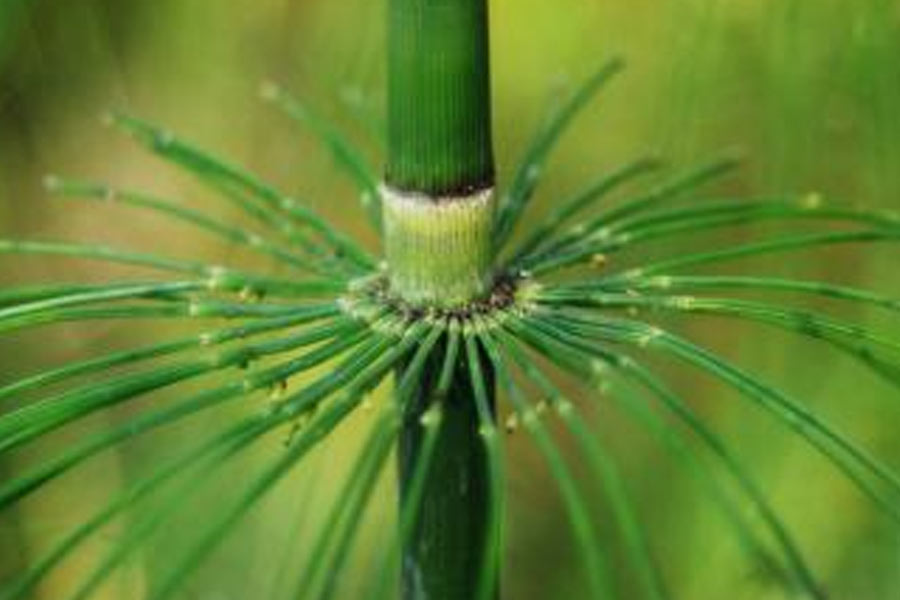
(445, 378)
(615, 238)
(124, 313)
(596, 561)
(847, 456)
(528, 173)
(302, 403)
(243, 433)
(274, 378)
(494, 540)
(105, 253)
(729, 212)
(678, 186)
(804, 321)
(21, 294)
(211, 452)
(44, 416)
(607, 183)
(345, 514)
(234, 182)
(854, 340)
(556, 343)
(85, 190)
(345, 153)
(361, 379)
(772, 246)
(136, 355)
(411, 508)
(111, 292)
(328, 551)
(665, 283)
(604, 469)
(171, 309)
(217, 277)
(598, 229)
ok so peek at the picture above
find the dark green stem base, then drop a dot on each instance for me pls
(444, 556)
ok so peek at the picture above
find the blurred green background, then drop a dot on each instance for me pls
(806, 91)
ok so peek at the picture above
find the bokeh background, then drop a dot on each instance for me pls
(807, 92)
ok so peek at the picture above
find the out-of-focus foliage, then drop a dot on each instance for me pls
(806, 92)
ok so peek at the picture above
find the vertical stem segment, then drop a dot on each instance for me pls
(445, 553)
(438, 214)
(439, 112)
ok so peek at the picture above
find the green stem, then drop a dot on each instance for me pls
(444, 553)
(439, 112)
(438, 216)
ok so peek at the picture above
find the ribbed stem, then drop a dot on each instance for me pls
(444, 556)
(438, 216)
(439, 113)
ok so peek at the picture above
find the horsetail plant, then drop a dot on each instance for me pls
(466, 314)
